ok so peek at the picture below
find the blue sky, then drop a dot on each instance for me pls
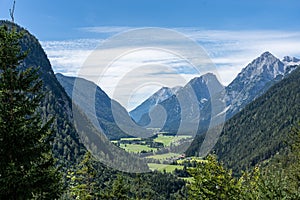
(61, 19)
(232, 32)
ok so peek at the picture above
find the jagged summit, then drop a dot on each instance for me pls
(289, 59)
(205, 78)
(266, 54)
(158, 97)
(205, 85)
(253, 81)
(266, 65)
(267, 60)
(164, 93)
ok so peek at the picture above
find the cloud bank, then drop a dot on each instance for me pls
(229, 50)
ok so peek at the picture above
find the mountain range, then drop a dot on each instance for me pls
(253, 81)
(158, 97)
(261, 105)
(261, 129)
(107, 115)
(165, 110)
(102, 105)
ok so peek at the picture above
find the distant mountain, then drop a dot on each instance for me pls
(260, 130)
(102, 105)
(158, 97)
(290, 60)
(253, 81)
(186, 106)
(290, 63)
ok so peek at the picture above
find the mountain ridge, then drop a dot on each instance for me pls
(253, 81)
(156, 98)
(183, 109)
(102, 105)
(69, 144)
(259, 131)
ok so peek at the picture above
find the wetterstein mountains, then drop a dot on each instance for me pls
(158, 97)
(261, 129)
(253, 81)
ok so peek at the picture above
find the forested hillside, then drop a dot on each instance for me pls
(66, 145)
(260, 130)
(102, 105)
(86, 164)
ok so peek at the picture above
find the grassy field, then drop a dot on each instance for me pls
(130, 139)
(136, 148)
(167, 140)
(164, 156)
(162, 167)
(197, 159)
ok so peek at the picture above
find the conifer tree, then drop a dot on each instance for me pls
(83, 179)
(212, 181)
(27, 167)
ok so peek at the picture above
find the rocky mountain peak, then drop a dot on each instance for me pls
(289, 59)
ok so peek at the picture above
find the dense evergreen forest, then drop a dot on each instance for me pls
(260, 130)
(42, 155)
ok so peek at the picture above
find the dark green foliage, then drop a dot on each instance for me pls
(275, 181)
(69, 151)
(55, 103)
(27, 166)
(279, 177)
(82, 181)
(120, 188)
(154, 185)
(285, 167)
(258, 132)
(91, 181)
(213, 181)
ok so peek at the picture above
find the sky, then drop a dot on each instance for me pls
(231, 32)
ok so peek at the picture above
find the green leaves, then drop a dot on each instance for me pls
(280, 179)
(27, 167)
(82, 181)
(212, 181)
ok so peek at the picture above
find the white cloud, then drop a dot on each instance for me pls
(67, 57)
(229, 50)
(106, 29)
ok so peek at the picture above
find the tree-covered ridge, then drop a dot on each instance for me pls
(55, 103)
(260, 130)
(102, 105)
(86, 178)
(27, 168)
(67, 143)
